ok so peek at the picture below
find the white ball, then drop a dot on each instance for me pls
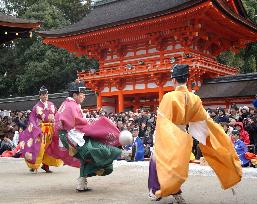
(125, 137)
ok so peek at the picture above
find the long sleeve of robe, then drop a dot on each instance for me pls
(173, 144)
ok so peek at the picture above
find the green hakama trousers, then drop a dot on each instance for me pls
(95, 158)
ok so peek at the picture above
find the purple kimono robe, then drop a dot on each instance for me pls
(32, 137)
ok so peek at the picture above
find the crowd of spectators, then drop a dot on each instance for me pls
(11, 123)
(243, 119)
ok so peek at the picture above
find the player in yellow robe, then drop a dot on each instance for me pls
(169, 164)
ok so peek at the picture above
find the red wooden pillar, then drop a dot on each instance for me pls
(120, 102)
(99, 101)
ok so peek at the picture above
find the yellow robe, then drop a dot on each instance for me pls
(173, 146)
(43, 157)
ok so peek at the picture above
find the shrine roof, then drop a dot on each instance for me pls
(116, 12)
(12, 19)
(229, 86)
(241, 8)
(12, 27)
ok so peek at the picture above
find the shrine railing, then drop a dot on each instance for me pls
(198, 62)
(207, 64)
(126, 71)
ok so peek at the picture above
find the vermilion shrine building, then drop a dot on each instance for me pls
(137, 42)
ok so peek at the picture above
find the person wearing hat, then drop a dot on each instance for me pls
(244, 113)
(38, 135)
(172, 148)
(240, 147)
(81, 142)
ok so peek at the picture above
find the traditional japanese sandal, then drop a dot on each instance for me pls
(84, 190)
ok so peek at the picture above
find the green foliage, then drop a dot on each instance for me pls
(249, 65)
(46, 67)
(7, 74)
(49, 14)
(73, 10)
(28, 64)
(245, 60)
(251, 8)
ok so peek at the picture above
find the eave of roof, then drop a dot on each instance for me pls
(231, 78)
(241, 8)
(228, 89)
(241, 85)
(16, 27)
(132, 12)
(90, 23)
(227, 11)
(12, 21)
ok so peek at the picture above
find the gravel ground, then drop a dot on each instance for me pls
(126, 185)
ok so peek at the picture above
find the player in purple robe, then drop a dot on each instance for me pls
(38, 135)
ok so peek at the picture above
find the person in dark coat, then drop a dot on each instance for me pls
(222, 118)
(251, 128)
